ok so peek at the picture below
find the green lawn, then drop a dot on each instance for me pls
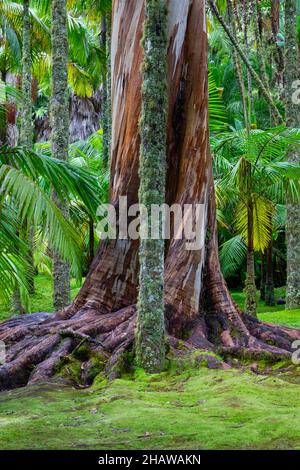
(276, 314)
(42, 300)
(191, 409)
(197, 410)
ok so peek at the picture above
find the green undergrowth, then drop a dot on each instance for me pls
(42, 300)
(204, 409)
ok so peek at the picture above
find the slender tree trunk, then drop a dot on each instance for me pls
(275, 23)
(150, 336)
(269, 289)
(233, 18)
(26, 130)
(263, 277)
(245, 59)
(105, 43)
(60, 132)
(292, 120)
(247, 13)
(91, 253)
(198, 308)
(250, 286)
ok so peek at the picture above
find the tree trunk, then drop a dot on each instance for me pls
(263, 277)
(198, 307)
(150, 334)
(275, 24)
(269, 288)
(292, 120)
(250, 286)
(26, 130)
(60, 133)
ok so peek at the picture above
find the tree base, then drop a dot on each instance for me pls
(37, 345)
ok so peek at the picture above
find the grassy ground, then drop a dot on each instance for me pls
(194, 409)
(42, 300)
(205, 410)
(276, 314)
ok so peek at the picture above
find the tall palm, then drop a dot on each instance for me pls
(26, 179)
(292, 120)
(251, 174)
(60, 133)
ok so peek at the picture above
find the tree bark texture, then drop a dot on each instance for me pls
(150, 334)
(60, 133)
(292, 120)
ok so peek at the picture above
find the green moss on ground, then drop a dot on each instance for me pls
(187, 407)
(208, 410)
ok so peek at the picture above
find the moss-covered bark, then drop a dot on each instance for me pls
(26, 134)
(269, 287)
(250, 286)
(150, 337)
(292, 120)
(60, 130)
(106, 114)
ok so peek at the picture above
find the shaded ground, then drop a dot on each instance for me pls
(206, 410)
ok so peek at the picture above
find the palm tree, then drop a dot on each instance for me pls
(26, 179)
(251, 177)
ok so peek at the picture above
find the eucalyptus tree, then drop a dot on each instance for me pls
(199, 311)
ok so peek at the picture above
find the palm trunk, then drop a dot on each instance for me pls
(250, 286)
(91, 244)
(246, 61)
(105, 42)
(60, 132)
(275, 24)
(26, 131)
(292, 120)
(198, 308)
(233, 18)
(270, 294)
(263, 277)
(150, 336)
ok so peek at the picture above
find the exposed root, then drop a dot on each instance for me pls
(36, 344)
